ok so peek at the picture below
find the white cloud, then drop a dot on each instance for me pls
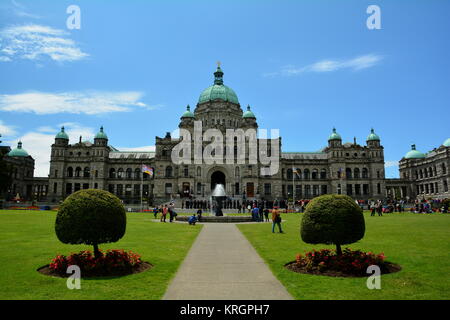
(6, 130)
(38, 143)
(355, 64)
(36, 42)
(21, 11)
(144, 148)
(389, 164)
(93, 102)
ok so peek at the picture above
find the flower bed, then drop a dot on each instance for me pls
(353, 263)
(110, 263)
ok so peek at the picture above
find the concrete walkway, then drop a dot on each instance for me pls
(223, 265)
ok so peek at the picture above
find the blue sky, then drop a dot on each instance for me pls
(303, 66)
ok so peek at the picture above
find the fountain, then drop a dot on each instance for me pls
(217, 197)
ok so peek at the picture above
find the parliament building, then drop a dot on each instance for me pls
(342, 168)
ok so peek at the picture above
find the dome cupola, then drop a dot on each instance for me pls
(188, 113)
(414, 154)
(218, 91)
(101, 134)
(62, 134)
(373, 136)
(446, 143)
(248, 113)
(18, 152)
(334, 135)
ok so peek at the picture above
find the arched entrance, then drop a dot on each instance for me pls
(218, 177)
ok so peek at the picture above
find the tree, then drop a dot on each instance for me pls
(91, 217)
(332, 219)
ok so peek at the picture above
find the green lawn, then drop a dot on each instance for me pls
(28, 241)
(419, 243)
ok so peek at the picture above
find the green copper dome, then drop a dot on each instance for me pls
(414, 154)
(447, 143)
(373, 136)
(188, 113)
(218, 91)
(101, 134)
(62, 134)
(248, 113)
(18, 152)
(334, 135)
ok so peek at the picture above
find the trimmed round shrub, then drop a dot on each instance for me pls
(91, 217)
(332, 219)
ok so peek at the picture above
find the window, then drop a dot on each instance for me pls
(356, 173)
(70, 172)
(199, 171)
(315, 174)
(323, 174)
(168, 188)
(119, 189)
(77, 187)
(56, 173)
(78, 172)
(306, 174)
(129, 173)
(120, 173)
(349, 189)
(186, 171)
(289, 174)
(365, 173)
(128, 190)
(137, 173)
(199, 188)
(68, 188)
(85, 185)
(137, 190)
(365, 189)
(444, 169)
(357, 189)
(112, 173)
(348, 173)
(111, 188)
(378, 188)
(87, 172)
(55, 187)
(324, 189)
(237, 172)
(298, 190)
(267, 189)
(169, 173)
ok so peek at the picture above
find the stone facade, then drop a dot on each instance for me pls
(346, 168)
(427, 175)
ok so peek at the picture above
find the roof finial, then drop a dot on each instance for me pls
(101, 129)
(62, 129)
(218, 75)
(188, 108)
(19, 145)
(248, 107)
(334, 130)
(80, 139)
(413, 147)
(218, 64)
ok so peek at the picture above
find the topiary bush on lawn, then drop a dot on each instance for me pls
(332, 219)
(91, 217)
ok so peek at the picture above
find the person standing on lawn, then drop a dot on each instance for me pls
(266, 214)
(276, 219)
(155, 212)
(164, 214)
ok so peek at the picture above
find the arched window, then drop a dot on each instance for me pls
(78, 172)
(87, 172)
(348, 173)
(120, 173)
(315, 174)
(323, 174)
(70, 172)
(356, 173)
(289, 174)
(365, 173)
(297, 174)
(129, 173)
(425, 173)
(112, 173)
(137, 173)
(236, 172)
(168, 171)
(199, 171)
(306, 174)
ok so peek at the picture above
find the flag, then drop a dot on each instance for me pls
(147, 169)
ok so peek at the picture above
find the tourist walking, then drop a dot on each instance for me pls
(266, 214)
(276, 219)
(155, 212)
(164, 213)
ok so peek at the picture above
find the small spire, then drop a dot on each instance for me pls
(248, 107)
(334, 130)
(62, 129)
(354, 140)
(19, 145)
(413, 147)
(80, 139)
(188, 108)
(372, 131)
(101, 129)
(218, 75)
